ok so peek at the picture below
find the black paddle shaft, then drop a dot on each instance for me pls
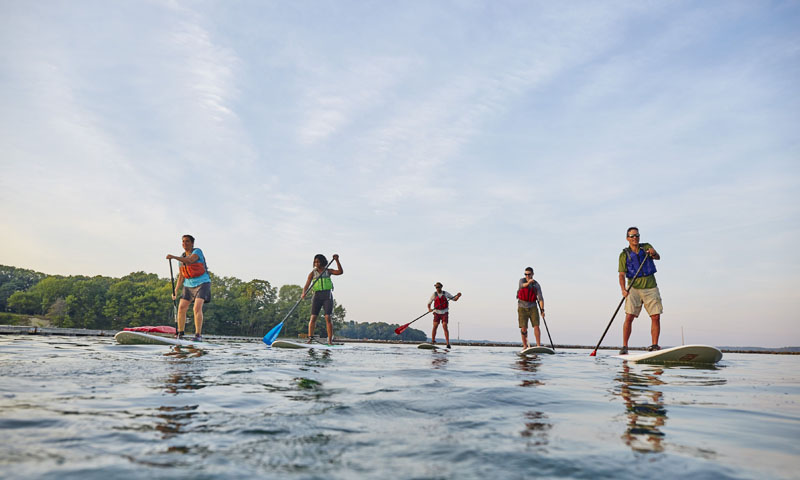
(627, 290)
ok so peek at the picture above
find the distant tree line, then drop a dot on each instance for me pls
(237, 308)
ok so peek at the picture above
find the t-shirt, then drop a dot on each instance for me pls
(204, 278)
(447, 295)
(536, 287)
(640, 282)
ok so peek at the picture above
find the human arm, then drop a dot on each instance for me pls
(622, 284)
(308, 283)
(339, 270)
(184, 260)
(178, 286)
(430, 302)
(539, 297)
(458, 295)
(652, 252)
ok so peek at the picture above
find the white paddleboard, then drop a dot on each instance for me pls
(315, 346)
(140, 338)
(430, 346)
(540, 349)
(685, 354)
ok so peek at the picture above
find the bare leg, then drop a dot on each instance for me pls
(537, 333)
(446, 334)
(198, 315)
(312, 325)
(655, 328)
(183, 307)
(433, 335)
(626, 329)
(524, 334)
(329, 328)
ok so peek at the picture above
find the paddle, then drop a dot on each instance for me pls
(273, 334)
(594, 353)
(548, 333)
(174, 304)
(403, 328)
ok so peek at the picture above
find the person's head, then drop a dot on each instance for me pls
(633, 235)
(187, 241)
(320, 261)
(438, 286)
(529, 272)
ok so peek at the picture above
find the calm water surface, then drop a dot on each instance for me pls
(88, 408)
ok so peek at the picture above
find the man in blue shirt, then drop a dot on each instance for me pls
(193, 279)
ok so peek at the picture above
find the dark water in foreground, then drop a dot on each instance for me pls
(88, 408)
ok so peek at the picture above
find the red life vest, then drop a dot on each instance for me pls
(527, 294)
(193, 270)
(440, 302)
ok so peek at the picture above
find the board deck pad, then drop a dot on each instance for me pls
(141, 338)
(539, 349)
(316, 346)
(431, 346)
(684, 354)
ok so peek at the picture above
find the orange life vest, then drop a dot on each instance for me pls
(193, 270)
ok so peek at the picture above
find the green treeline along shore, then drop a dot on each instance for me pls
(237, 308)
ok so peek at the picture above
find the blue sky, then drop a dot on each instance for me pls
(423, 141)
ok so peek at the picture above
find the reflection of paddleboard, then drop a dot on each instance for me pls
(316, 346)
(541, 349)
(430, 346)
(141, 338)
(686, 354)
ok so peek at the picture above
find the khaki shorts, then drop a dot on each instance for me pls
(650, 297)
(526, 314)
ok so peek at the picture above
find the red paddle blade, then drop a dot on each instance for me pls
(401, 329)
(593, 354)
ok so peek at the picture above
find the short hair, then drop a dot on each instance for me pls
(322, 260)
(191, 238)
(529, 268)
(631, 228)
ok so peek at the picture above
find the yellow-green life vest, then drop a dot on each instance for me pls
(323, 282)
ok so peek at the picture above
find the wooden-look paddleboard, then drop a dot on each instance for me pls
(684, 354)
(141, 338)
(431, 346)
(315, 346)
(535, 350)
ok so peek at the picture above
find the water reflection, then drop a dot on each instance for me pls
(644, 405)
(439, 360)
(174, 419)
(536, 423)
(529, 365)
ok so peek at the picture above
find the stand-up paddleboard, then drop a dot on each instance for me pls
(431, 346)
(141, 338)
(315, 346)
(685, 354)
(534, 350)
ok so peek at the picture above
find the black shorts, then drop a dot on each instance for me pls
(322, 299)
(202, 291)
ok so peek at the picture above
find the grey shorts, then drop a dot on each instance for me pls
(649, 297)
(322, 299)
(201, 291)
(527, 314)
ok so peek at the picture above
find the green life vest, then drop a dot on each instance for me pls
(323, 282)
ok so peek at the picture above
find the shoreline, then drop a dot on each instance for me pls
(80, 332)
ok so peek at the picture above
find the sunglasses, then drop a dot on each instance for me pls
(633, 236)
(528, 274)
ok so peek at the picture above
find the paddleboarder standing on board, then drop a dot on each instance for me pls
(441, 311)
(323, 293)
(643, 289)
(195, 283)
(529, 293)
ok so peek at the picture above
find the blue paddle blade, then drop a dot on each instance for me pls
(273, 334)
